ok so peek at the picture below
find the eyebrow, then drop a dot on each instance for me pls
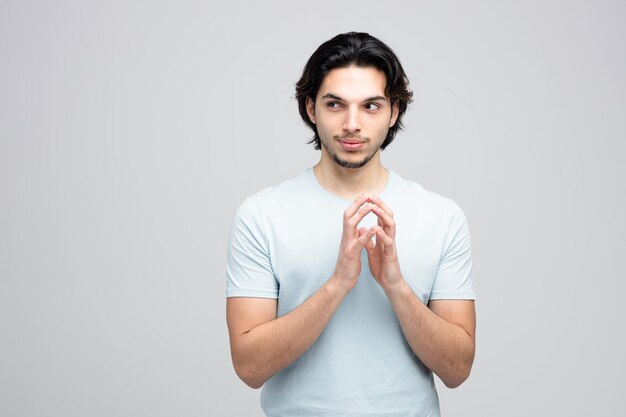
(374, 98)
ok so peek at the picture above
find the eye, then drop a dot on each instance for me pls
(333, 105)
(372, 106)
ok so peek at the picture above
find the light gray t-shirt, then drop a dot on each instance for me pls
(284, 244)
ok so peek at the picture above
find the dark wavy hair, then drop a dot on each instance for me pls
(362, 50)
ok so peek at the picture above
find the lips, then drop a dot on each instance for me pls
(351, 141)
(351, 144)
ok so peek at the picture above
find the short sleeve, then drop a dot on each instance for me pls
(248, 268)
(454, 273)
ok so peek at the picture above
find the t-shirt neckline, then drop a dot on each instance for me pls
(344, 201)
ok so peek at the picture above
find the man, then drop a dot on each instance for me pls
(349, 286)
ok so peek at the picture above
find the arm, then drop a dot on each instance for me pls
(261, 344)
(441, 336)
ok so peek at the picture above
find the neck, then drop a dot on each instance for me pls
(349, 183)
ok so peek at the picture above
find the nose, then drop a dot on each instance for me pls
(351, 123)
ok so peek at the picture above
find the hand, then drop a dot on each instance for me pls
(382, 256)
(348, 266)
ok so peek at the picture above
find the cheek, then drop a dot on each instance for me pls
(379, 123)
(327, 124)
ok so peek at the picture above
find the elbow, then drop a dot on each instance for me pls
(456, 379)
(248, 366)
(453, 383)
(458, 370)
(248, 375)
(253, 383)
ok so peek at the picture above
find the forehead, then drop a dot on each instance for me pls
(353, 83)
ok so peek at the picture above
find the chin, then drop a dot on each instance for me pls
(353, 164)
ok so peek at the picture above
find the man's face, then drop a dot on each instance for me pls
(352, 114)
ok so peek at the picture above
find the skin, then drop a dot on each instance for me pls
(353, 116)
(441, 334)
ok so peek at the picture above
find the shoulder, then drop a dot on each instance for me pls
(414, 196)
(276, 197)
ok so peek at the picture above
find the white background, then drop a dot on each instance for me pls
(130, 132)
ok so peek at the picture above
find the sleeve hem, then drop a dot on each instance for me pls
(256, 293)
(443, 295)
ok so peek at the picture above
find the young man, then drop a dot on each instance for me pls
(349, 286)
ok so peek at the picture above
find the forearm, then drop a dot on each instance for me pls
(270, 347)
(444, 347)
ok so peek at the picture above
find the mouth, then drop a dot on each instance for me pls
(351, 144)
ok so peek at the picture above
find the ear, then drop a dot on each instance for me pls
(310, 109)
(395, 110)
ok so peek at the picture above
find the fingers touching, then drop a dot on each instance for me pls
(364, 204)
(366, 235)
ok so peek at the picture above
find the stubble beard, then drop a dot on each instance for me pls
(342, 162)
